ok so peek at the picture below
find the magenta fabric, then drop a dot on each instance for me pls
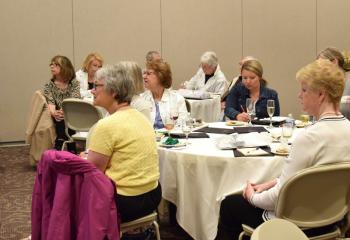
(72, 199)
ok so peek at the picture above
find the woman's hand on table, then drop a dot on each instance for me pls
(244, 117)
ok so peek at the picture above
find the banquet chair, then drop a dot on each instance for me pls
(80, 116)
(188, 106)
(277, 229)
(315, 197)
(146, 221)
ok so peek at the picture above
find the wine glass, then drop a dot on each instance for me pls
(250, 106)
(287, 132)
(270, 109)
(187, 126)
(169, 123)
(174, 115)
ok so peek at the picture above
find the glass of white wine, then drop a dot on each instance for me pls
(270, 109)
(250, 106)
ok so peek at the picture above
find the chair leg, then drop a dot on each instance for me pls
(156, 226)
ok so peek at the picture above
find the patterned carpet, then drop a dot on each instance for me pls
(16, 185)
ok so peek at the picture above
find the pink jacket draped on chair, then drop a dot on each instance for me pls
(72, 199)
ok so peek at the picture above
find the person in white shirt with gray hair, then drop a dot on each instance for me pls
(209, 77)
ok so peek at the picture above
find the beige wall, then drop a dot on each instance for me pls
(284, 35)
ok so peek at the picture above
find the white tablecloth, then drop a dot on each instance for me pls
(197, 178)
(207, 109)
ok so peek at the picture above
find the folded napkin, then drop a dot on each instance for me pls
(266, 121)
(170, 141)
(216, 130)
(194, 94)
(191, 135)
(249, 129)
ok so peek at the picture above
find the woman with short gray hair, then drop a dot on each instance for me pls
(118, 148)
(209, 77)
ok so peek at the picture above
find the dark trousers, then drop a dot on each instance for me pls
(133, 207)
(61, 136)
(235, 211)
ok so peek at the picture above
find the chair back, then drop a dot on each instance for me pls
(80, 115)
(277, 229)
(188, 106)
(316, 196)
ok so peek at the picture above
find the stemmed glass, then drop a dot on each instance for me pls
(187, 126)
(174, 115)
(287, 132)
(250, 106)
(270, 110)
(169, 123)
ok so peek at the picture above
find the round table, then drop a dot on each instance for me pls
(208, 110)
(196, 178)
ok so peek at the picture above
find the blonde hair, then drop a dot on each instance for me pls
(323, 75)
(89, 58)
(136, 75)
(255, 66)
(332, 53)
(346, 55)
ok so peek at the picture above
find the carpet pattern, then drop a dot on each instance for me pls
(16, 186)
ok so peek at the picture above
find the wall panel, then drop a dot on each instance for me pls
(190, 28)
(282, 35)
(32, 32)
(333, 25)
(119, 30)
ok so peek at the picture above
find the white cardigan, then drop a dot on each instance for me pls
(327, 141)
(82, 77)
(170, 99)
(216, 84)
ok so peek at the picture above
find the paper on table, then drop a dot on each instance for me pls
(252, 151)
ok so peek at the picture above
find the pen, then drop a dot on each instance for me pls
(242, 108)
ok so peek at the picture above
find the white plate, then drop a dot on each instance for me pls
(178, 145)
(235, 123)
(274, 151)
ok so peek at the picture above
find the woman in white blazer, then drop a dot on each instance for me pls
(86, 74)
(209, 77)
(157, 79)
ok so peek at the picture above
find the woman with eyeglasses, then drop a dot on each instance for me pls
(157, 79)
(86, 74)
(61, 86)
(123, 145)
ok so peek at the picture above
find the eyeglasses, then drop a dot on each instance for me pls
(96, 85)
(53, 65)
(148, 72)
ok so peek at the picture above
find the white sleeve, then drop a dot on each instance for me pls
(303, 152)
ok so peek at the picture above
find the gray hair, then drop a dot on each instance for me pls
(118, 81)
(210, 59)
(150, 55)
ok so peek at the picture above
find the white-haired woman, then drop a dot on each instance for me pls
(209, 77)
(118, 148)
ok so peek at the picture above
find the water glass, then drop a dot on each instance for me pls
(250, 106)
